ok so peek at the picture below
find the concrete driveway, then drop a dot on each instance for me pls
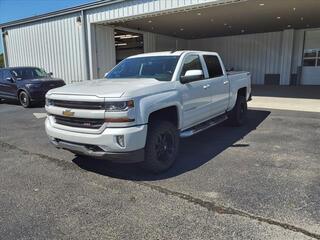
(293, 98)
(260, 181)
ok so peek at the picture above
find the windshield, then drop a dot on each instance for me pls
(28, 73)
(159, 67)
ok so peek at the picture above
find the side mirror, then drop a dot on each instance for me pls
(191, 76)
(10, 79)
(106, 74)
(50, 74)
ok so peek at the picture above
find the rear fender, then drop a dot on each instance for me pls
(235, 85)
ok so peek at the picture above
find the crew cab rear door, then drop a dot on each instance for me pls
(219, 84)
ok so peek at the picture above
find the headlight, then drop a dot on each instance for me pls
(49, 102)
(119, 106)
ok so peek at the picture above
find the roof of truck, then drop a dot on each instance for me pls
(167, 53)
(153, 54)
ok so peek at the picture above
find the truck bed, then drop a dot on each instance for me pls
(238, 80)
(230, 73)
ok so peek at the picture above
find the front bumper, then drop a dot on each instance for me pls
(103, 145)
(82, 149)
(39, 94)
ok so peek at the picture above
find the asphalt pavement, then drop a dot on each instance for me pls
(259, 181)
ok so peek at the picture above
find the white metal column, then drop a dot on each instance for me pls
(149, 41)
(105, 49)
(286, 56)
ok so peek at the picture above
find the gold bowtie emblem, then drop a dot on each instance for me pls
(68, 113)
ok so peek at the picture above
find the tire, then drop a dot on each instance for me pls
(162, 146)
(238, 115)
(24, 99)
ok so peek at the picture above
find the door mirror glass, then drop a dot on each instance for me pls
(191, 75)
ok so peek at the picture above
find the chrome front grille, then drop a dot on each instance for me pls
(79, 122)
(78, 104)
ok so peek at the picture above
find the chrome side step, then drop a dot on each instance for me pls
(203, 126)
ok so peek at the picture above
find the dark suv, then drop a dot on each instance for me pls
(26, 84)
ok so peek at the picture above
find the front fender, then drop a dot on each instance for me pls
(152, 103)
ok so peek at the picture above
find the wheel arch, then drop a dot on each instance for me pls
(169, 113)
(242, 91)
(167, 104)
(22, 90)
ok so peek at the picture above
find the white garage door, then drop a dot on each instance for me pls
(311, 59)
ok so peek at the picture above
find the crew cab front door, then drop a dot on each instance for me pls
(196, 95)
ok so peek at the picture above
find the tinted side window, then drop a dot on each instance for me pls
(213, 65)
(191, 62)
(6, 74)
(1, 75)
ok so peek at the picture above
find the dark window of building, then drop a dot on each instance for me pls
(310, 54)
(311, 58)
(309, 62)
(213, 65)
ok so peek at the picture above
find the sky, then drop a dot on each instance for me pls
(17, 9)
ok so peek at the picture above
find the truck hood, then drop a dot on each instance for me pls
(106, 88)
(41, 80)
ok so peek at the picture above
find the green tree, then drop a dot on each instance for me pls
(1, 60)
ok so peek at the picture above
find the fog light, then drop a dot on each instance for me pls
(120, 140)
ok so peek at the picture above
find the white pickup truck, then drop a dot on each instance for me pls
(146, 103)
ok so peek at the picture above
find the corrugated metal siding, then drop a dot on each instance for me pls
(158, 42)
(258, 53)
(140, 7)
(297, 50)
(54, 44)
(166, 43)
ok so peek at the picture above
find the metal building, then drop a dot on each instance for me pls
(278, 41)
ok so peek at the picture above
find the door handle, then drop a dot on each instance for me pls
(206, 86)
(225, 82)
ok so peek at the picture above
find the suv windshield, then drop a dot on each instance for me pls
(159, 67)
(28, 73)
